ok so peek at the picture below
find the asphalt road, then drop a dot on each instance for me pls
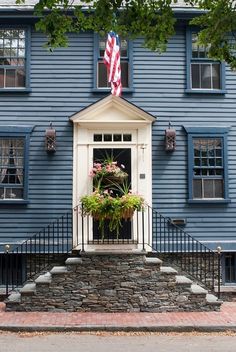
(117, 342)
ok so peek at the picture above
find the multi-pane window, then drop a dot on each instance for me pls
(102, 79)
(207, 164)
(204, 73)
(208, 168)
(12, 58)
(229, 267)
(12, 154)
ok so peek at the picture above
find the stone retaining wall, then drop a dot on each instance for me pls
(112, 283)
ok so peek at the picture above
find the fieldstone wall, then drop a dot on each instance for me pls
(112, 282)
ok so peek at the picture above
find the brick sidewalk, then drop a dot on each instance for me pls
(179, 321)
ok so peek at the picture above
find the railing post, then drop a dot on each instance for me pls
(219, 265)
(82, 215)
(7, 248)
(143, 231)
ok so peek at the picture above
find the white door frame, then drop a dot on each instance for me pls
(111, 115)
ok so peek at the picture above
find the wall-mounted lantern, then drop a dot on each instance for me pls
(50, 139)
(170, 139)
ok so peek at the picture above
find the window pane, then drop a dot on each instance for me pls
(124, 74)
(10, 78)
(97, 137)
(208, 186)
(195, 75)
(230, 267)
(117, 138)
(216, 76)
(197, 172)
(219, 172)
(218, 152)
(197, 189)
(211, 162)
(20, 78)
(194, 45)
(206, 75)
(127, 137)
(123, 48)
(1, 78)
(107, 137)
(13, 193)
(219, 189)
(102, 75)
(21, 52)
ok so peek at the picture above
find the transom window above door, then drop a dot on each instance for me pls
(112, 137)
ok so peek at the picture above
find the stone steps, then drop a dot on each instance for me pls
(119, 282)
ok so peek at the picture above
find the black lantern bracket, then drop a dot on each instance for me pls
(170, 139)
(50, 139)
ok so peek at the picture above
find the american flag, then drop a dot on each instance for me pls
(112, 61)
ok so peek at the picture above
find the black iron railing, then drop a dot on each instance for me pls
(89, 232)
(24, 261)
(192, 256)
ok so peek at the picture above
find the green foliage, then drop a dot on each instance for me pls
(112, 199)
(151, 19)
(103, 206)
(218, 28)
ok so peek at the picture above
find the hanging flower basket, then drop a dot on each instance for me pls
(127, 214)
(102, 206)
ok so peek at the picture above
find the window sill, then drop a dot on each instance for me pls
(207, 201)
(205, 91)
(13, 201)
(15, 91)
(106, 91)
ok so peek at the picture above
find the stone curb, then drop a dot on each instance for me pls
(109, 328)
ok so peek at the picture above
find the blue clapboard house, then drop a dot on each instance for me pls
(173, 128)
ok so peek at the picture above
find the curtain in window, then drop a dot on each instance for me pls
(4, 150)
(18, 155)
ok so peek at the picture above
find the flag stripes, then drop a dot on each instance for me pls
(112, 61)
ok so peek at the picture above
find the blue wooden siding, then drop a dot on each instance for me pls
(159, 83)
(62, 85)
